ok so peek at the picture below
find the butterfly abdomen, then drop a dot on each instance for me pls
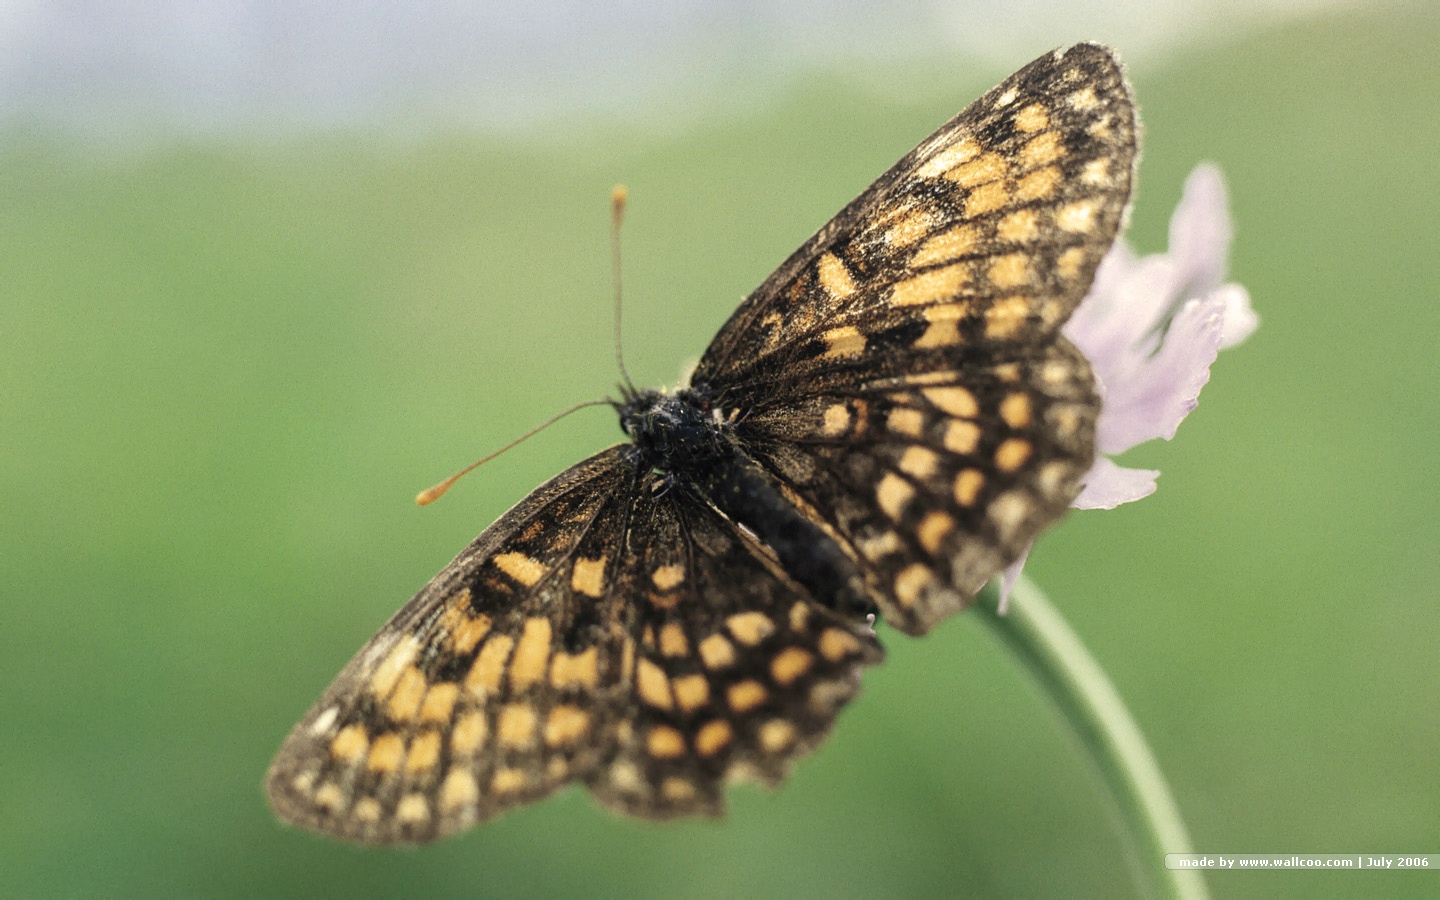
(749, 496)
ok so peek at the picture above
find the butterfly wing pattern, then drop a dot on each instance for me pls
(881, 427)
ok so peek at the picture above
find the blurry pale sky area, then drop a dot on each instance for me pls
(102, 69)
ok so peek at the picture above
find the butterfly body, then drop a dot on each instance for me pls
(694, 446)
(882, 426)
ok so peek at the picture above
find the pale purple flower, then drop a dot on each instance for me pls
(1151, 326)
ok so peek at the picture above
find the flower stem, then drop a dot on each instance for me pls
(1065, 670)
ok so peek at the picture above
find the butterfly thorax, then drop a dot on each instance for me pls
(674, 430)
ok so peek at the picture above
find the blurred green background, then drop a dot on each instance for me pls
(226, 368)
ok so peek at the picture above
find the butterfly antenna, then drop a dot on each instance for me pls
(618, 196)
(430, 495)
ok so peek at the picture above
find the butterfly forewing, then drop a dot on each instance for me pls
(884, 424)
(981, 240)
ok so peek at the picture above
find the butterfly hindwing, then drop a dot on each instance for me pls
(935, 481)
(737, 670)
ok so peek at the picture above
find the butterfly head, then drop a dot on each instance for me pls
(673, 430)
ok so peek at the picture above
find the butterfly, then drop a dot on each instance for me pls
(879, 429)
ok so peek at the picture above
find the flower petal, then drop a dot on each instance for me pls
(1108, 485)
(1200, 233)
(1156, 394)
(1120, 317)
(1241, 319)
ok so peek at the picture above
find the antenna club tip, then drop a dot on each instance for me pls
(618, 197)
(430, 495)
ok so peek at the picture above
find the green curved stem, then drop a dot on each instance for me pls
(1065, 670)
